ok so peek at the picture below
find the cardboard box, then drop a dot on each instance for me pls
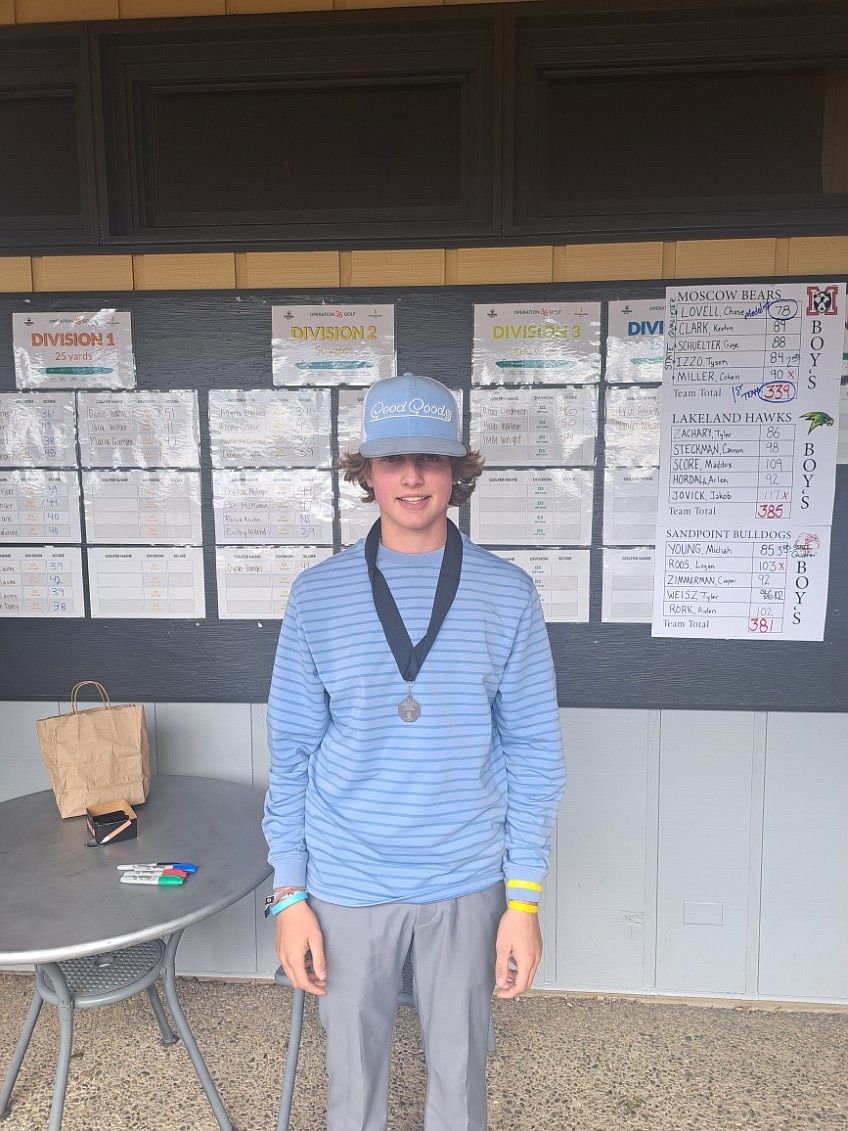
(111, 821)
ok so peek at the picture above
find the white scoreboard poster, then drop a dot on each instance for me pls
(748, 442)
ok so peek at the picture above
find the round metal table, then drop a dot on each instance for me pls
(63, 902)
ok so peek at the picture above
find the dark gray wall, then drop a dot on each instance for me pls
(223, 339)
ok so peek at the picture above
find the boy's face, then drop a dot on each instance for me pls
(413, 493)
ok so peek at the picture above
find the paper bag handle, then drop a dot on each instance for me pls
(104, 695)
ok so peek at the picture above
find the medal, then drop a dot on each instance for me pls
(408, 709)
(409, 657)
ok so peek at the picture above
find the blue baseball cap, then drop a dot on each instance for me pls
(409, 415)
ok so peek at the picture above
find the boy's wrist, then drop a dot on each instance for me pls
(275, 903)
(520, 905)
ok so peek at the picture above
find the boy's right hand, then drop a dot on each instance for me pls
(300, 948)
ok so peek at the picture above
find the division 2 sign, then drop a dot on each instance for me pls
(73, 350)
(321, 344)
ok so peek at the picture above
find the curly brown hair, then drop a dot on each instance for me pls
(465, 471)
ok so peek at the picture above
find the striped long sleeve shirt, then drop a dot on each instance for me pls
(365, 808)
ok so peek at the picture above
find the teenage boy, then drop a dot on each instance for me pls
(411, 785)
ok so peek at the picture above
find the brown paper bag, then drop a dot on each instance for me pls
(94, 755)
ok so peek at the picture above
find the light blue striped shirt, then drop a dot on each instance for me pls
(364, 808)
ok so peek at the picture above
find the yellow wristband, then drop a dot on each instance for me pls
(528, 885)
(517, 905)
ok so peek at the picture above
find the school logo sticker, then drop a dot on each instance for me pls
(817, 419)
(821, 300)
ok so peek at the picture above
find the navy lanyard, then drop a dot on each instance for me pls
(409, 658)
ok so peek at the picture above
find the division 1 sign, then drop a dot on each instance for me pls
(83, 350)
(748, 438)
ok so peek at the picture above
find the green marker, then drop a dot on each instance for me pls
(152, 879)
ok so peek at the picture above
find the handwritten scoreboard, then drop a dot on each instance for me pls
(748, 448)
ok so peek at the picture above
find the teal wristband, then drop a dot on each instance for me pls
(287, 901)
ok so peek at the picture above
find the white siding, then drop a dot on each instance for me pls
(605, 841)
(805, 858)
(703, 863)
(696, 852)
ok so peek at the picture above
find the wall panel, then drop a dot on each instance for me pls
(805, 858)
(22, 768)
(705, 810)
(602, 860)
(213, 739)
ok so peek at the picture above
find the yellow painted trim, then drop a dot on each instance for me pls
(579, 262)
(157, 9)
(504, 265)
(669, 259)
(422, 268)
(417, 267)
(254, 7)
(50, 11)
(781, 256)
(345, 269)
(703, 259)
(15, 273)
(451, 266)
(350, 5)
(184, 272)
(813, 255)
(82, 273)
(287, 269)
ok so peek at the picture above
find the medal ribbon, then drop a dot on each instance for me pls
(409, 658)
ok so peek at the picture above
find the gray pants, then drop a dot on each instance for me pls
(454, 973)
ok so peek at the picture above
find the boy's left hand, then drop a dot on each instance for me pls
(518, 952)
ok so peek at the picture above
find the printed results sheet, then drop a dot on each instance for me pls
(41, 581)
(39, 503)
(255, 581)
(634, 369)
(141, 496)
(272, 505)
(534, 415)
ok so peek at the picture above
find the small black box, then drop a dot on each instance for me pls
(111, 821)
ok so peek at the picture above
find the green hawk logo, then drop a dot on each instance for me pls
(817, 419)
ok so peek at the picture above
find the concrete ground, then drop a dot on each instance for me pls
(563, 1063)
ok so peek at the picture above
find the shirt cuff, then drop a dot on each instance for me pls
(527, 891)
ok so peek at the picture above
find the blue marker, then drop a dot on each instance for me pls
(142, 867)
